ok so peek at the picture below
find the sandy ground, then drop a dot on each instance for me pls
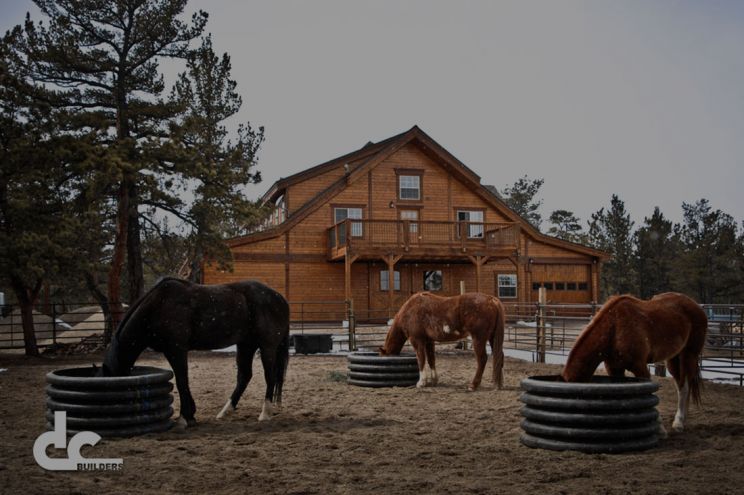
(335, 438)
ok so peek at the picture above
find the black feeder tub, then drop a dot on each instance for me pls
(112, 406)
(606, 415)
(369, 369)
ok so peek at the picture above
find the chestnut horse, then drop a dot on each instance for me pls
(628, 334)
(426, 318)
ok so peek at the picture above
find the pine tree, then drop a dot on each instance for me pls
(218, 167)
(611, 231)
(102, 60)
(520, 197)
(710, 267)
(566, 226)
(657, 248)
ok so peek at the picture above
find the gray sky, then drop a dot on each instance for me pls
(640, 98)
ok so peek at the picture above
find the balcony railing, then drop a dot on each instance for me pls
(409, 234)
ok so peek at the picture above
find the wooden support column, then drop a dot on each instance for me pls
(594, 280)
(478, 261)
(391, 260)
(349, 259)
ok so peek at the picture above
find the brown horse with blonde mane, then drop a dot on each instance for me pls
(426, 318)
(628, 334)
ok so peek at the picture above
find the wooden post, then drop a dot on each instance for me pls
(542, 298)
(478, 261)
(391, 260)
(462, 287)
(348, 260)
(351, 318)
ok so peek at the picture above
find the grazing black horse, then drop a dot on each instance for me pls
(176, 316)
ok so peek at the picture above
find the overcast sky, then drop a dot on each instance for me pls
(642, 98)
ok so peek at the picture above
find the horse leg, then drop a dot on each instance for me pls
(481, 356)
(244, 359)
(268, 360)
(640, 370)
(614, 370)
(420, 347)
(179, 364)
(676, 369)
(430, 357)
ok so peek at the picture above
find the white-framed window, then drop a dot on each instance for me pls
(385, 280)
(507, 283)
(412, 216)
(474, 231)
(341, 214)
(409, 187)
(433, 280)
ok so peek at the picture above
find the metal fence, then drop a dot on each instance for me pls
(538, 331)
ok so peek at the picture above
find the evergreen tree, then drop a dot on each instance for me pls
(520, 197)
(657, 248)
(218, 167)
(611, 231)
(38, 234)
(710, 267)
(101, 58)
(566, 226)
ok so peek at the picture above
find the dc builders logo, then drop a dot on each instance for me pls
(74, 461)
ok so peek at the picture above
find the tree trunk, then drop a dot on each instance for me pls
(26, 298)
(134, 248)
(91, 281)
(117, 260)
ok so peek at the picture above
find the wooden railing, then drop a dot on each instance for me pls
(408, 234)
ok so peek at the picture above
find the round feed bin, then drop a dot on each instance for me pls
(368, 369)
(606, 415)
(112, 406)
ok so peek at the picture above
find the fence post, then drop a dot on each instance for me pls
(352, 324)
(54, 324)
(541, 299)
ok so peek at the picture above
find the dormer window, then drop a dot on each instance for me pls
(409, 184)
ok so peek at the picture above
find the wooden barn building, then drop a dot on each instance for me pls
(397, 217)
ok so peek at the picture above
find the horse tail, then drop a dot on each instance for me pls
(280, 368)
(693, 351)
(497, 345)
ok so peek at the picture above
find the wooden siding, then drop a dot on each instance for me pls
(296, 262)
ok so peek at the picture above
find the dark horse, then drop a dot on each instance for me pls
(426, 318)
(176, 316)
(628, 334)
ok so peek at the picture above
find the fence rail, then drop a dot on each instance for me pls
(560, 324)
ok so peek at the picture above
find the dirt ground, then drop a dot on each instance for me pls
(335, 438)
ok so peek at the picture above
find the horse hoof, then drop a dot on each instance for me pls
(420, 384)
(181, 424)
(678, 427)
(225, 410)
(264, 417)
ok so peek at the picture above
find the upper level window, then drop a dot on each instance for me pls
(341, 214)
(409, 187)
(474, 230)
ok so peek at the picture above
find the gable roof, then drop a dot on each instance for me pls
(373, 154)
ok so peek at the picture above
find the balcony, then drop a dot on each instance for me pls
(427, 240)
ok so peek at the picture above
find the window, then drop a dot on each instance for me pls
(560, 286)
(535, 285)
(341, 214)
(433, 280)
(507, 286)
(548, 285)
(474, 231)
(411, 215)
(570, 285)
(385, 280)
(409, 187)
(583, 286)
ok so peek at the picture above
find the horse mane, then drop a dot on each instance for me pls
(606, 307)
(135, 306)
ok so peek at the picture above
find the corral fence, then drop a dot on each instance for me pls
(534, 331)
